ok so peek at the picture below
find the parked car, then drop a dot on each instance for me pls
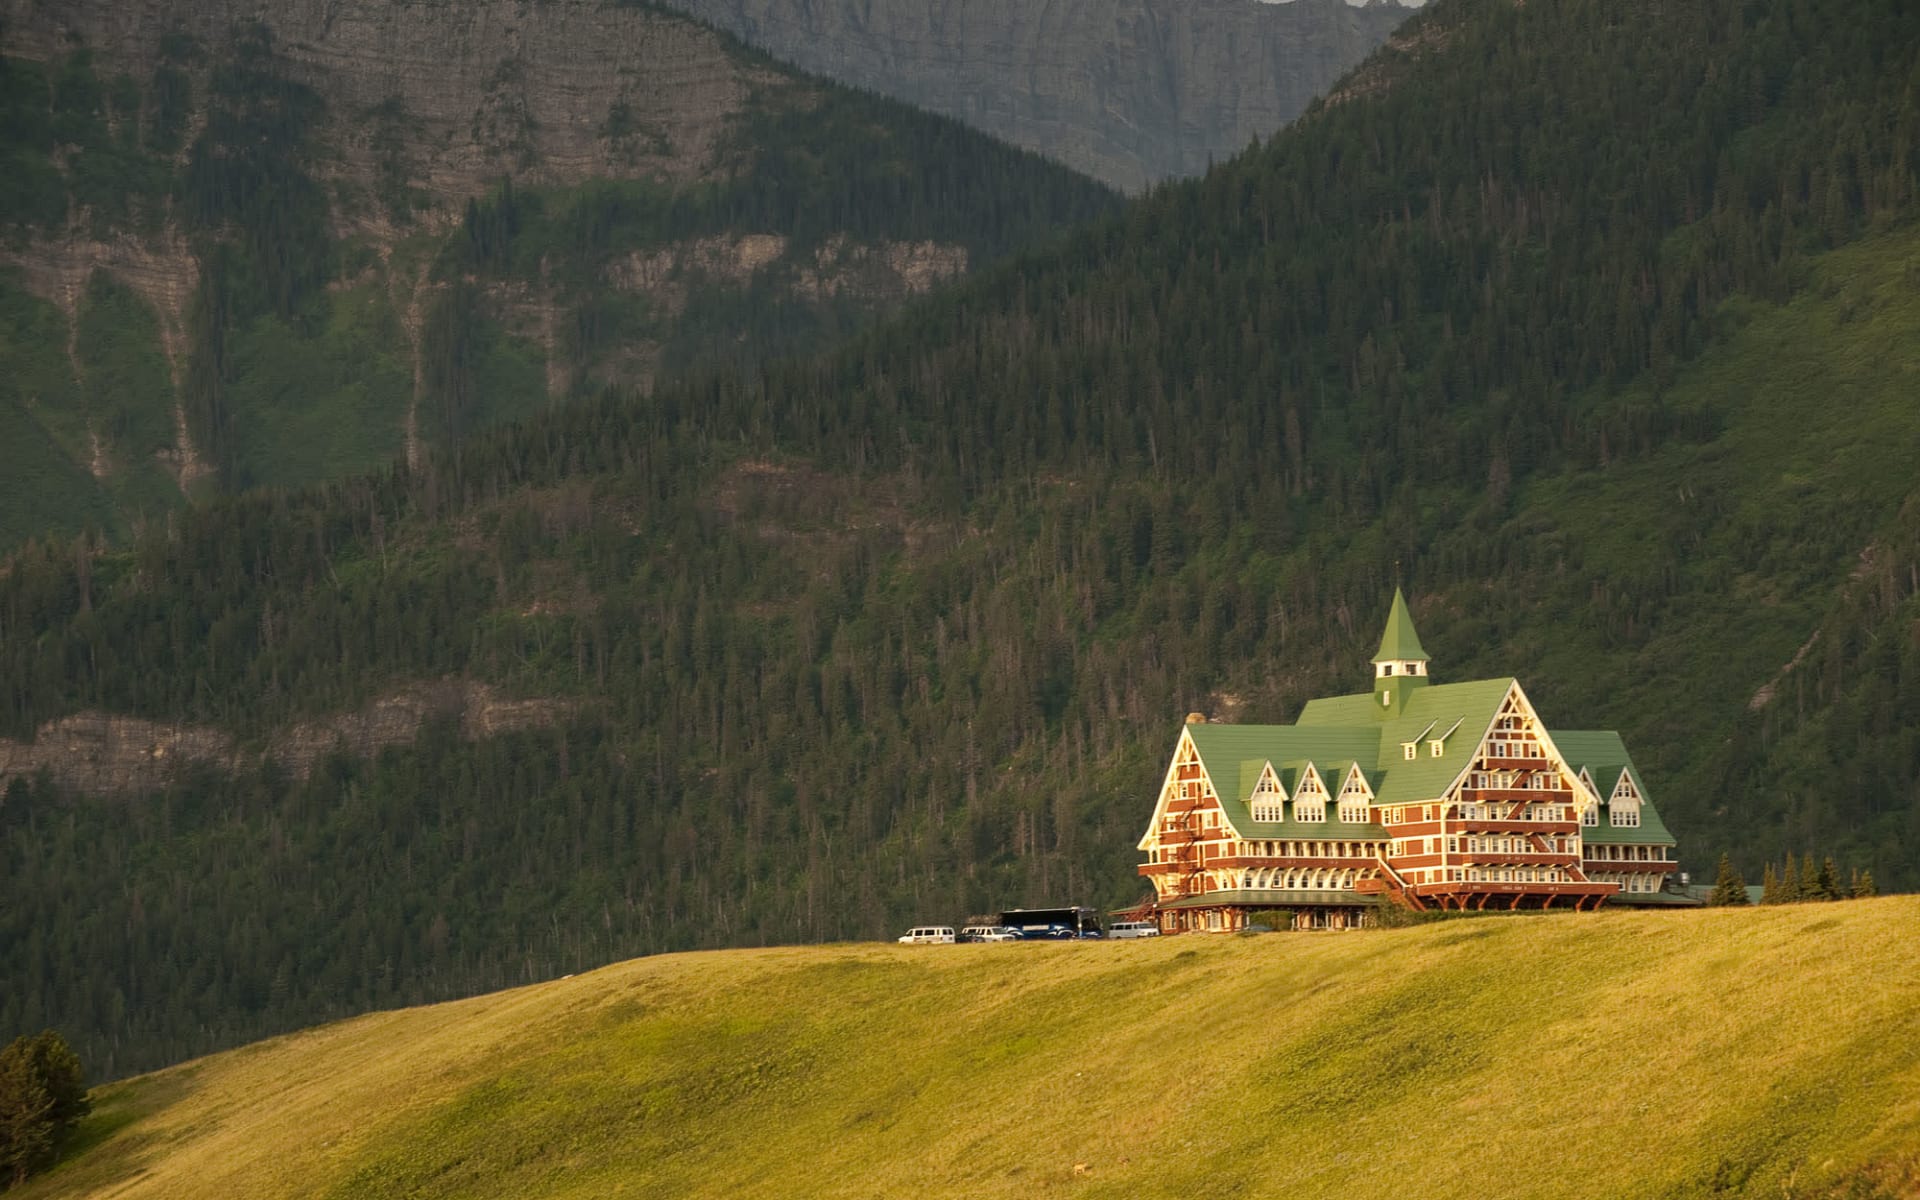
(989, 933)
(1133, 929)
(928, 935)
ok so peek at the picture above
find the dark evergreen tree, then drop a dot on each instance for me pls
(1793, 888)
(1826, 881)
(1729, 887)
(1770, 886)
(26, 1126)
(43, 1094)
(1863, 885)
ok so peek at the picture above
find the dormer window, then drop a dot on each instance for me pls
(1623, 807)
(1268, 798)
(1435, 746)
(1409, 750)
(1310, 798)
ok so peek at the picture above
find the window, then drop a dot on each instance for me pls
(1626, 817)
(1435, 745)
(1409, 751)
(1590, 815)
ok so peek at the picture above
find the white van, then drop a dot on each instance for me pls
(928, 935)
(1133, 929)
(989, 933)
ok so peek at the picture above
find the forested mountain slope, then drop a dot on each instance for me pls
(1590, 322)
(244, 245)
(1356, 1063)
(1131, 92)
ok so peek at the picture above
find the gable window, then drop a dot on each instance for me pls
(1590, 815)
(1268, 798)
(1626, 816)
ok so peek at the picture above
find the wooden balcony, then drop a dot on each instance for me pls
(1625, 865)
(1292, 862)
(1501, 762)
(1494, 823)
(1473, 795)
(1516, 858)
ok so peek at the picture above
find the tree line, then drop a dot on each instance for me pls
(1793, 883)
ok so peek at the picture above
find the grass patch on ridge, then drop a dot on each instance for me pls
(1767, 1051)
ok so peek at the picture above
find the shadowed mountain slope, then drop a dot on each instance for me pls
(244, 246)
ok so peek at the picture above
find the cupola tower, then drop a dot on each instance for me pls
(1400, 665)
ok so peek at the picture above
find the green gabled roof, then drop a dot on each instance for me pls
(1605, 757)
(1235, 754)
(1333, 734)
(1398, 642)
(1465, 708)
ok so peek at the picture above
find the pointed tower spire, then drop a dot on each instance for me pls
(1401, 662)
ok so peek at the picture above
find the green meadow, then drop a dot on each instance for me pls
(1764, 1052)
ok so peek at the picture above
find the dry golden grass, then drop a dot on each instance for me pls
(1762, 1052)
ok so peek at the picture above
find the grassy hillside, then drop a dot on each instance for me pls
(1746, 1053)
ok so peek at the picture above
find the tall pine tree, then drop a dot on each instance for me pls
(1729, 886)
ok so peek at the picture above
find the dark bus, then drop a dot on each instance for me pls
(1039, 924)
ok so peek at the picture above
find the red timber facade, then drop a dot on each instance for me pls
(1428, 796)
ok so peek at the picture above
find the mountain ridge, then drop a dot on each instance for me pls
(1130, 93)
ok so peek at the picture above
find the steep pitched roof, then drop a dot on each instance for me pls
(1235, 754)
(1335, 732)
(1605, 758)
(1398, 642)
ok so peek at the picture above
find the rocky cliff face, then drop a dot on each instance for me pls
(106, 754)
(1128, 91)
(401, 121)
(460, 93)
